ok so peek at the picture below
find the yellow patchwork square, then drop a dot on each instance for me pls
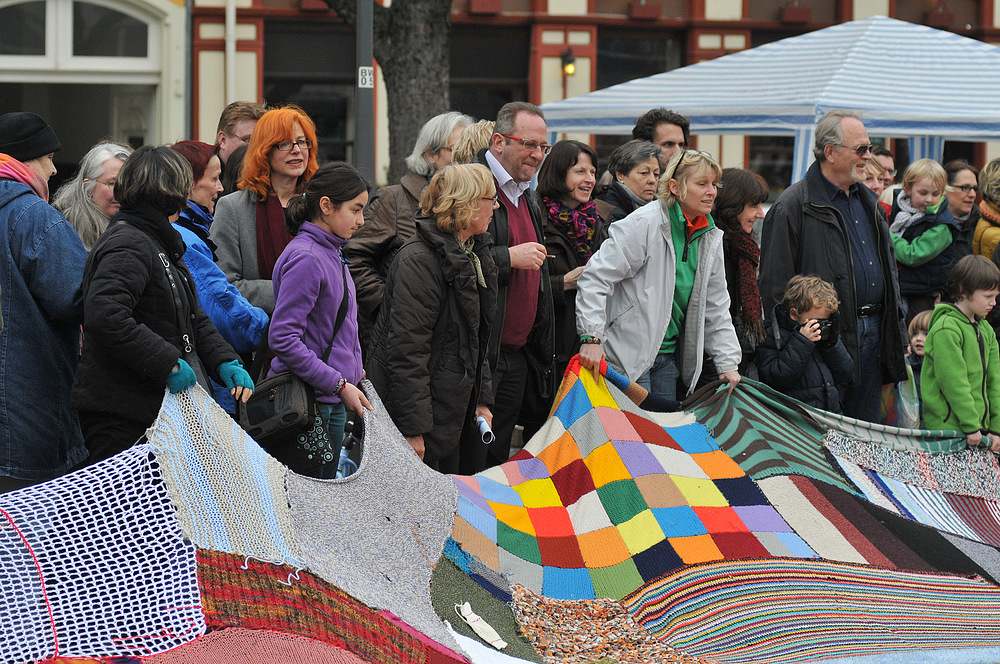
(606, 466)
(700, 493)
(695, 549)
(641, 532)
(514, 516)
(599, 396)
(539, 493)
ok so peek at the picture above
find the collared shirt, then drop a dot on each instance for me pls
(505, 182)
(867, 267)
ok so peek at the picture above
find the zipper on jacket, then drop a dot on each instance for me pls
(982, 358)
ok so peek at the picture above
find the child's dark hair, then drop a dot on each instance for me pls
(970, 274)
(337, 181)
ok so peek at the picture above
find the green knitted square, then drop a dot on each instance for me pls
(522, 545)
(622, 500)
(616, 581)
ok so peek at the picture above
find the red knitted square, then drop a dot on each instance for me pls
(560, 552)
(573, 481)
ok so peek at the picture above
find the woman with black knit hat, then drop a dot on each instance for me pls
(41, 268)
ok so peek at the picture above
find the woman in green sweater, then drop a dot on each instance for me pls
(960, 381)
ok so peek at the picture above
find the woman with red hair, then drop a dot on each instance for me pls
(249, 228)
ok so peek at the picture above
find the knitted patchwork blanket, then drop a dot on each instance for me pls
(603, 499)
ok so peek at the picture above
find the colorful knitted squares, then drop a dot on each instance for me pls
(247, 593)
(775, 610)
(603, 499)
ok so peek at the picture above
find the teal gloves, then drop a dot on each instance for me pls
(233, 375)
(181, 379)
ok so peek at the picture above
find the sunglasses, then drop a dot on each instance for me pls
(860, 150)
(684, 156)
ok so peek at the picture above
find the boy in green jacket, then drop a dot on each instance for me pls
(960, 382)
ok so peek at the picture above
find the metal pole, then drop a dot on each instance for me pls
(364, 112)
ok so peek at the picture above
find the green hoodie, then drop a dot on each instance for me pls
(960, 380)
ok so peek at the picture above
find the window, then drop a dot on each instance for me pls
(100, 31)
(23, 29)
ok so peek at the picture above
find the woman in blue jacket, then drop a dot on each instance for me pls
(239, 322)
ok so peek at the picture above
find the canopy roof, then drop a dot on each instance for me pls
(907, 80)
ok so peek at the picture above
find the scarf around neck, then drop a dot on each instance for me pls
(576, 224)
(907, 215)
(747, 261)
(468, 247)
(990, 212)
(272, 235)
(12, 169)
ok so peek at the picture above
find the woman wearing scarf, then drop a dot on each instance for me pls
(653, 300)
(249, 228)
(41, 266)
(635, 168)
(575, 225)
(239, 322)
(428, 352)
(143, 328)
(737, 208)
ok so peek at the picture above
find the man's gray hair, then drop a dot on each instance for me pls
(829, 131)
(507, 115)
(628, 155)
(432, 137)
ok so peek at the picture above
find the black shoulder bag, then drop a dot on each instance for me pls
(282, 414)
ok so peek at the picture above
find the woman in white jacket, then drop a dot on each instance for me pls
(653, 299)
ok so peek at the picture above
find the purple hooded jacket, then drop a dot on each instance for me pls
(308, 287)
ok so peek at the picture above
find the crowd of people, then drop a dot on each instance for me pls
(463, 293)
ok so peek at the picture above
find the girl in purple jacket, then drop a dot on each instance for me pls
(310, 281)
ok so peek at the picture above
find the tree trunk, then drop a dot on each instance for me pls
(412, 46)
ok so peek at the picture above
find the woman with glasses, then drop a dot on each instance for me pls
(249, 228)
(635, 167)
(653, 299)
(574, 225)
(88, 200)
(963, 188)
(428, 353)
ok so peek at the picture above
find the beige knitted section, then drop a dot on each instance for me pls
(229, 493)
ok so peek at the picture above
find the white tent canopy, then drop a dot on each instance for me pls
(907, 81)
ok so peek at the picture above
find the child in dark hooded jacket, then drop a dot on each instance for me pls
(803, 355)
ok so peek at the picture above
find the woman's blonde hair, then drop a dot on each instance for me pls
(474, 138)
(989, 182)
(924, 169)
(683, 166)
(452, 197)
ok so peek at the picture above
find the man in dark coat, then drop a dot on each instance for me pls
(521, 346)
(830, 225)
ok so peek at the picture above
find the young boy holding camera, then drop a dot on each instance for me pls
(802, 355)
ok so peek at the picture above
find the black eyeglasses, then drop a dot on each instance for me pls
(286, 146)
(860, 150)
(966, 188)
(530, 146)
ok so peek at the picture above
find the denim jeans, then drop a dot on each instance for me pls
(863, 401)
(661, 379)
(334, 415)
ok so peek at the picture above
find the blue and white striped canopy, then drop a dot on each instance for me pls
(908, 81)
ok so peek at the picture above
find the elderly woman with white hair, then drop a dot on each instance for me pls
(88, 199)
(389, 217)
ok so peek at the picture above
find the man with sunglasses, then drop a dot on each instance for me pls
(522, 343)
(671, 131)
(830, 225)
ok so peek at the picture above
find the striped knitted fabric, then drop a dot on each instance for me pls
(971, 472)
(241, 593)
(254, 646)
(229, 493)
(603, 499)
(93, 564)
(776, 610)
(378, 533)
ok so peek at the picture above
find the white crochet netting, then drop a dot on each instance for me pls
(94, 564)
(229, 493)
